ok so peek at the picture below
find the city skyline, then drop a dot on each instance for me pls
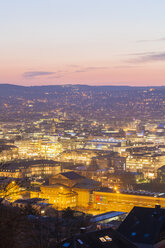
(82, 123)
(89, 42)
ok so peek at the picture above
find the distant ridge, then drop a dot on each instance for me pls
(19, 90)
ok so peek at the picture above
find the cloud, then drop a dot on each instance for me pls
(152, 40)
(126, 66)
(80, 71)
(161, 39)
(148, 57)
(91, 68)
(141, 54)
(74, 66)
(34, 74)
(61, 73)
(97, 67)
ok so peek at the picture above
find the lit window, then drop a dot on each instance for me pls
(105, 239)
(102, 239)
(108, 238)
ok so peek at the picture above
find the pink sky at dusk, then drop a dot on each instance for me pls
(89, 42)
(149, 74)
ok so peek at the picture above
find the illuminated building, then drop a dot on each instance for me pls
(70, 144)
(104, 219)
(66, 178)
(155, 138)
(84, 197)
(77, 156)
(87, 194)
(135, 137)
(148, 164)
(108, 160)
(8, 152)
(85, 190)
(33, 168)
(40, 205)
(142, 147)
(60, 196)
(79, 184)
(104, 144)
(70, 185)
(68, 189)
(118, 163)
(108, 201)
(87, 157)
(38, 149)
(53, 127)
(161, 174)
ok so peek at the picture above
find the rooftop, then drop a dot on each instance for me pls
(99, 239)
(107, 215)
(144, 225)
(27, 163)
(72, 175)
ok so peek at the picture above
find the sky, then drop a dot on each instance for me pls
(94, 42)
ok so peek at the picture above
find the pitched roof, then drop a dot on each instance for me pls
(26, 163)
(143, 225)
(162, 168)
(72, 175)
(101, 239)
(87, 184)
(107, 215)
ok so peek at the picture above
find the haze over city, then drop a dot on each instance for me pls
(82, 42)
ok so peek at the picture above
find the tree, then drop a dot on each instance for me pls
(68, 213)
(29, 210)
(13, 189)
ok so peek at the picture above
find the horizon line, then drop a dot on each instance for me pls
(93, 85)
